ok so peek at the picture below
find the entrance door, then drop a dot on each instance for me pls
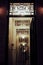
(19, 40)
(23, 46)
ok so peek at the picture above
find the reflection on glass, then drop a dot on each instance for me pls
(23, 46)
(23, 40)
(22, 22)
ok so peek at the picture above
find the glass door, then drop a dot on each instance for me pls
(23, 47)
(19, 33)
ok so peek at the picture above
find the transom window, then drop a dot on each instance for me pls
(21, 9)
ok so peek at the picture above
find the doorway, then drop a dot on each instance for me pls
(19, 40)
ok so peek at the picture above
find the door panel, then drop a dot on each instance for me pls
(19, 40)
(23, 46)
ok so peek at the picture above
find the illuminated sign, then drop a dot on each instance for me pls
(21, 9)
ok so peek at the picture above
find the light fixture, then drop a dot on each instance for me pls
(23, 36)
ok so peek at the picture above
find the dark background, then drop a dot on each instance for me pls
(37, 33)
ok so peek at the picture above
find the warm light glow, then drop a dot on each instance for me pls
(2, 11)
(23, 36)
(23, 43)
(40, 10)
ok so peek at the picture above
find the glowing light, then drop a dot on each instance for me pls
(40, 10)
(23, 36)
(23, 43)
(2, 11)
(21, 9)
